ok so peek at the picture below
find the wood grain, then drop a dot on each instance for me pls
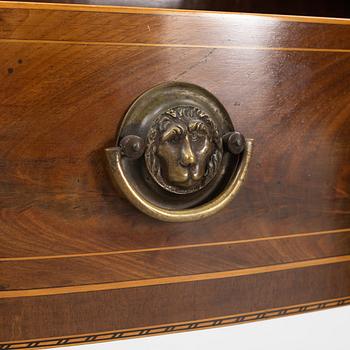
(77, 259)
(121, 309)
(140, 267)
(92, 287)
(174, 247)
(298, 179)
(179, 327)
(167, 27)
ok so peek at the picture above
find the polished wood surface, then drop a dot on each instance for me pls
(76, 260)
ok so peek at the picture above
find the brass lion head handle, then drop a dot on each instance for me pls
(179, 163)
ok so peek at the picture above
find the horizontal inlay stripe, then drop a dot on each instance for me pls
(109, 43)
(187, 246)
(165, 11)
(171, 280)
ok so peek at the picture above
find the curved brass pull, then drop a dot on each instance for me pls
(114, 157)
(178, 157)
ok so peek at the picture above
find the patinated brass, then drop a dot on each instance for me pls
(235, 142)
(132, 146)
(178, 157)
(184, 149)
(164, 214)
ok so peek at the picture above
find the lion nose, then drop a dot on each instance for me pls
(187, 156)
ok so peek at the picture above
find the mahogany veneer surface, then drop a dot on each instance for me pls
(79, 264)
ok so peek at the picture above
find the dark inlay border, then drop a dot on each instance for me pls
(179, 327)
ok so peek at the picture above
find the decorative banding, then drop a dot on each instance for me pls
(176, 327)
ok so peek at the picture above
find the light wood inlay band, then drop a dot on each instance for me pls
(187, 246)
(170, 280)
(227, 47)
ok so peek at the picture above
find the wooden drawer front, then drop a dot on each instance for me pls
(80, 264)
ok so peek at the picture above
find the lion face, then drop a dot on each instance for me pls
(184, 149)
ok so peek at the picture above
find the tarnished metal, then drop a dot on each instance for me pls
(178, 157)
(235, 142)
(184, 149)
(132, 146)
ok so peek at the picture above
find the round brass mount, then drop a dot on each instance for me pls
(177, 155)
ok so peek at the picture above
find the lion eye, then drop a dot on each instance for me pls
(196, 136)
(175, 138)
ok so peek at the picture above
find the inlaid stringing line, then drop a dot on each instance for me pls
(107, 43)
(187, 246)
(171, 280)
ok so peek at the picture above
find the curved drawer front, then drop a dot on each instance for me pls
(80, 263)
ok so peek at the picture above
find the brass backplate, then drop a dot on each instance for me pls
(184, 163)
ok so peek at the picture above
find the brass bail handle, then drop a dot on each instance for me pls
(133, 147)
(178, 158)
